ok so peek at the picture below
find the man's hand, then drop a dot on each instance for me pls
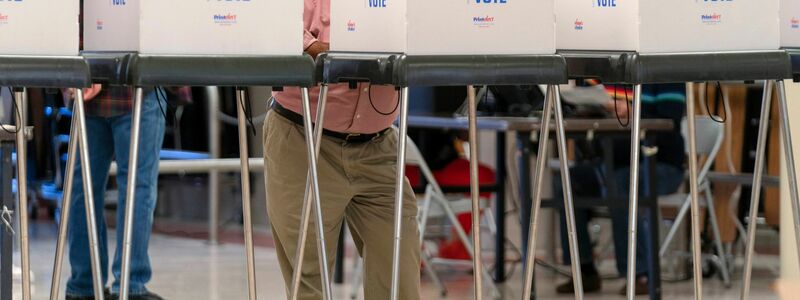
(88, 93)
(620, 109)
(318, 47)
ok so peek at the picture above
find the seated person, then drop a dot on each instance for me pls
(665, 101)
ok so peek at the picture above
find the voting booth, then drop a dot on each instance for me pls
(443, 27)
(190, 27)
(667, 26)
(39, 27)
(790, 23)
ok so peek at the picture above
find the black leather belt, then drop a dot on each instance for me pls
(351, 138)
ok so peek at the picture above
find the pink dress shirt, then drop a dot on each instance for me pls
(347, 110)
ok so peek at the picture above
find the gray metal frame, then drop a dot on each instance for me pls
(552, 100)
(788, 148)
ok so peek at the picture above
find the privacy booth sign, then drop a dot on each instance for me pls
(790, 23)
(443, 27)
(39, 27)
(650, 26)
(195, 27)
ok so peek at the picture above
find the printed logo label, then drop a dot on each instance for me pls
(579, 24)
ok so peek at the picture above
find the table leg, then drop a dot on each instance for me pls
(500, 210)
(654, 277)
(755, 196)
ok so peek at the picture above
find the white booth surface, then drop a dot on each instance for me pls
(39, 27)
(662, 26)
(443, 27)
(790, 23)
(195, 27)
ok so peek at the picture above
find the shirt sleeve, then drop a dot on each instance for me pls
(308, 39)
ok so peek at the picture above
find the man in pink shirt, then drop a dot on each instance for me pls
(357, 166)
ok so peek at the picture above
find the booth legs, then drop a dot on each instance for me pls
(400, 185)
(310, 197)
(130, 197)
(244, 157)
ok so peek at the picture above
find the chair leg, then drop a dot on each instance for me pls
(358, 278)
(712, 215)
(426, 262)
(674, 229)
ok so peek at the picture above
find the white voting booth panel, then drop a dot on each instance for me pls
(39, 27)
(443, 27)
(195, 27)
(790, 23)
(651, 26)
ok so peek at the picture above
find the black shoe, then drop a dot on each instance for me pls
(146, 296)
(591, 283)
(106, 295)
(641, 288)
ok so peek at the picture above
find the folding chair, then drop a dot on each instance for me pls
(710, 134)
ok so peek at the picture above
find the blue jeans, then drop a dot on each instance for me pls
(109, 138)
(669, 180)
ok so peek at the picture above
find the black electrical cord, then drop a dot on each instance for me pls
(16, 111)
(627, 107)
(369, 95)
(719, 94)
(248, 111)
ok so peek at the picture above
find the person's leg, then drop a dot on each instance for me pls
(669, 179)
(286, 167)
(152, 136)
(372, 169)
(80, 281)
(586, 182)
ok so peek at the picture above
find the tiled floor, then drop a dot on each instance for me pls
(192, 269)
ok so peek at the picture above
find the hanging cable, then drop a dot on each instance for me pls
(724, 118)
(247, 111)
(627, 107)
(16, 111)
(369, 95)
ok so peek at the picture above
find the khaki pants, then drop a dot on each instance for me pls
(357, 184)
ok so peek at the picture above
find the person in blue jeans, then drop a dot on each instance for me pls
(664, 101)
(108, 126)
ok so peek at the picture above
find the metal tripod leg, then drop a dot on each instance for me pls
(22, 193)
(633, 219)
(541, 164)
(305, 214)
(399, 187)
(79, 142)
(693, 191)
(130, 198)
(788, 149)
(66, 206)
(312, 166)
(755, 196)
(477, 265)
(244, 157)
(569, 208)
